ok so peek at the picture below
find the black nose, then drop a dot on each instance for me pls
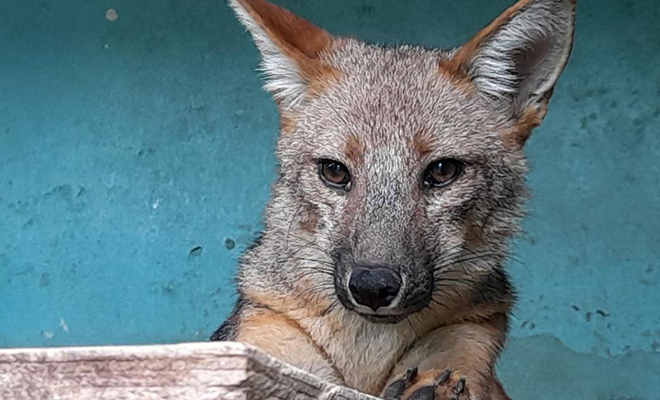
(374, 287)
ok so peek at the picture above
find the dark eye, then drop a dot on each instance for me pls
(334, 174)
(442, 172)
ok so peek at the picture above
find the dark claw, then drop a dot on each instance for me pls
(444, 377)
(411, 374)
(424, 393)
(396, 389)
(460, 386)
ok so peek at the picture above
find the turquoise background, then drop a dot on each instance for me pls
(136, 159)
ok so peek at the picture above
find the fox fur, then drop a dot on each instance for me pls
(386, 113)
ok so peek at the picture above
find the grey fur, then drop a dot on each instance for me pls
(385, 98)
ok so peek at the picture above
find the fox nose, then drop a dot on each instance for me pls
(374, 287)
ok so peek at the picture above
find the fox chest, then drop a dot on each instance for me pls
(365, 357)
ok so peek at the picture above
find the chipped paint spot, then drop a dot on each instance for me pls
(63, 325)
(47, 334)
(44, 280)
(196, 251)
(111, 15)
(230, 244)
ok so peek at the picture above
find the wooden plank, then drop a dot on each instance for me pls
(195, 371)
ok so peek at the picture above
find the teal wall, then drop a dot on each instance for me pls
(136, 158)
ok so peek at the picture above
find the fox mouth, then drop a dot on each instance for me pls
(384, 319)
(392, 316)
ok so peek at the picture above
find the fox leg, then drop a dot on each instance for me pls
(284, 339)
(451, 363)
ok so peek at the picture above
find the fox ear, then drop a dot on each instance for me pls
(290, 47)
(516, 60)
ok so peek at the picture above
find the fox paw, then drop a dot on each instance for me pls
(430, 385)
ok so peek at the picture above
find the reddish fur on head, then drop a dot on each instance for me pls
(296, 39)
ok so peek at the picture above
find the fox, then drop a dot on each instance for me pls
(401, 183)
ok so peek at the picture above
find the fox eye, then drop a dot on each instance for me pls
(334, 174)
(442, 172)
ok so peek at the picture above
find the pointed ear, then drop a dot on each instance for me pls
(515, 61)
(290, 48)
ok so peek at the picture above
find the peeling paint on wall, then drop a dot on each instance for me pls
(543, 368)
(111, 15)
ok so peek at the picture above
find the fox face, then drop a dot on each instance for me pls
(401, 168)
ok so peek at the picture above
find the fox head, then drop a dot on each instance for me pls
(401, 175)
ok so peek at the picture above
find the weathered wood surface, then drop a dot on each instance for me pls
(197, 371)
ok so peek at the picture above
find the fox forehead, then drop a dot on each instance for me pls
(394, 101)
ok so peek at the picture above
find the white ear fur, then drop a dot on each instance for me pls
(287, 44)
(283, 79)
(523, 54)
